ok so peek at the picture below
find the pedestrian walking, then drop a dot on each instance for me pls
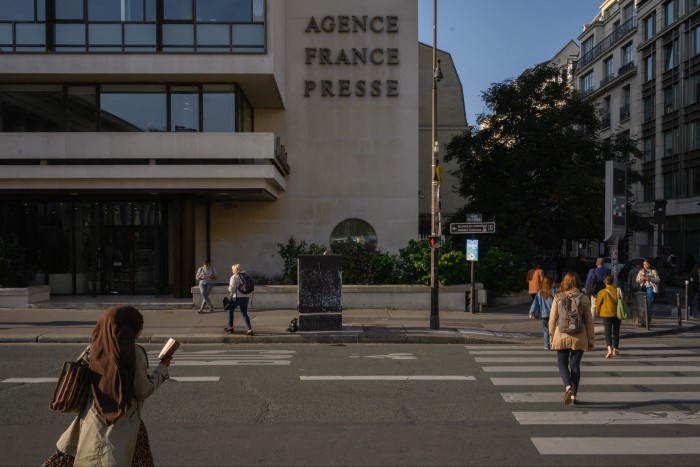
(541, 306)
(648, 280)
(606, 308)
(571, 304)
(594, 281)
(109, 430)
(238, 297)
(206, 275)
(534, 279)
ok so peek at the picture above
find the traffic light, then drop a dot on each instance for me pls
(434, 241)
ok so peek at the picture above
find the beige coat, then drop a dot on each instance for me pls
(94, 443)
(585, 340)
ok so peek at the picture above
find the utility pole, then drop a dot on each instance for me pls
(434, 211)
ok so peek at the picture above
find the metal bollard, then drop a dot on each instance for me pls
(678, 308)
(687, 305)
(646, 312)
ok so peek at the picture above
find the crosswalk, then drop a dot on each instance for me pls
(645, 385)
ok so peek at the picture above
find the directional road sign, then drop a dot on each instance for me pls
(472, 227)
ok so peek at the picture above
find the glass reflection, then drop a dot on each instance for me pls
(122, 109)
(223, 10)
(219, 109)
(184, 109)
(14, 10)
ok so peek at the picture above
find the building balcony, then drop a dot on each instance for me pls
(246, 166)
(608, 42)
(624, 112)
(605, 120)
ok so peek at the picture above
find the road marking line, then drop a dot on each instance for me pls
(228, 362)
(29, 380)
(388, 378)
(608, 418)
(651, 352)
(607, 445)
(591, 381)
(586, 359)
(531, 346)
(195, 379)
(604, 397)
(592, 368)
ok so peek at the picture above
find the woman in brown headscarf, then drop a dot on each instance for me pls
(106, 431)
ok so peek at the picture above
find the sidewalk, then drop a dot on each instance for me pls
(71, 320)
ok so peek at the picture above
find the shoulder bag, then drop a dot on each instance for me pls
(73, 386)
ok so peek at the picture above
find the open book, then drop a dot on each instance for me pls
(169, 348)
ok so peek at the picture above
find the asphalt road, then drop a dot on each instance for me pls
(377, 404)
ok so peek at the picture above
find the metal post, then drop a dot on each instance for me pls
(434, 228)
(687, 304)
(647, 318)
(472, 295)
(678, 307)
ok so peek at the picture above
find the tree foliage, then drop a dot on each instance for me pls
(536, 163)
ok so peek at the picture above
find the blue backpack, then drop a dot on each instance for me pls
(246, 285)
(594, 284)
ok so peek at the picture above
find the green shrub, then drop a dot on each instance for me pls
(501, 272)
(289, 253)
(415, 259)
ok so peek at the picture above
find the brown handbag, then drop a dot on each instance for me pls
(73, 386)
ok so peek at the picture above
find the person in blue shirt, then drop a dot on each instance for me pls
(541, 306)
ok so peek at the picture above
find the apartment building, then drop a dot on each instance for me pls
(140, 137)
(640, 61)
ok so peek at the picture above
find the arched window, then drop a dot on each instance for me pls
(353, 231)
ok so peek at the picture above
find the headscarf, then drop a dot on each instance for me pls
(113, 360)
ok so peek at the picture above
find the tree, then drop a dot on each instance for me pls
(536, 163)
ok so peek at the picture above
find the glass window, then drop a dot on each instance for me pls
(608, 68)
(219, 108)
(694, 134)
(648, 108)
(669, 56)
(223, 11)
(105, 10)
(17, 10)
(140, 34)
(696, 40)
(670, 12)
(259, 10)
(669, 99)
(5, 34)
(178, 34)
(669, 146)
(184, 108)
(248, 35)
(29, 108)
(82, 108)
(648, 149)
(627, 54)
(213, 34)
(177, 9)
(649, 191)
(587, 83)
(105, 34)
(70, 34)
(649, 26)
(353, 231)
(648, 68)
(30, 34)
(133, 108)
(670, 185)
(695, 87)
(69, 9)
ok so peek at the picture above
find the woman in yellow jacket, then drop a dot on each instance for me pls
(570, 347)
(606, 308)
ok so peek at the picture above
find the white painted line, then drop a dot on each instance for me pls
(604, 397)
(607, 445)
(29, 380)
(651, 353)
(531, 346)
(594, 380)
(546, 357)
(608, 418)
(195, 379)
(388, 378)
(229, 362)
(592, 368)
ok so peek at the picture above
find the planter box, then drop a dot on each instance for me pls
(519, 298)
(399, 297)
(24, 296)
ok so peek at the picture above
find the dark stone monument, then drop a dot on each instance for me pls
(320, 292)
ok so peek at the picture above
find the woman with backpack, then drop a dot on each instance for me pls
(239, 288)
(571, 332)
(541, 307)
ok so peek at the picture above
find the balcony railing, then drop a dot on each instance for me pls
(607, 79)
(605, 120)
(625, 68)
(625, 112)
(607, 42)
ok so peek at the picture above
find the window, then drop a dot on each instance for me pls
(606, 112)
(184, 108)
(648, 68)
(219, 108)
(670, 185)
(625, 107)
(649, 26)
(648, 108)
(694, 135)
(669, 12)
(23, 108)
(628, 12)
(669, 143)
(648, 149)
(352, 231)
(695, 37)
(693, 181)
(608, 71)
(587, 83)
(134, 108)
(670, 98)
(669, 56)
(695, 88)
(587, 46)
(24, 10)
(627, 54)
(648, 194)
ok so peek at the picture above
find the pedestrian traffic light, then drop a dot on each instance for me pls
(434, 241)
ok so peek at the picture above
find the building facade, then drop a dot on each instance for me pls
(140, 137)
(640, 61)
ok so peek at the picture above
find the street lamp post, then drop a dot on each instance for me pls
(434, 211)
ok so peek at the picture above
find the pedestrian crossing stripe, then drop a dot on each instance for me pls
(389, 378)
(591, 368)
(530, 347)
(608, 445)
(652, 352)
(608, 418)
(548, 358)
(53, 380)
(228, 358)
(605, 397)
(596, 380)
